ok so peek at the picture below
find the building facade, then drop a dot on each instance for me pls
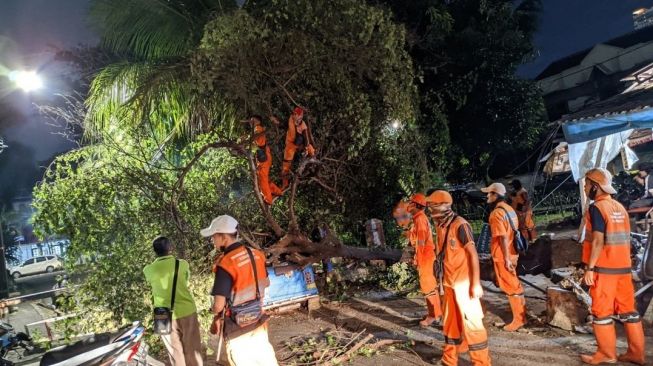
(594, 74)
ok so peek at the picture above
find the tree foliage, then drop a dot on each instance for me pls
(472, 106)
(166, 149)
(395, 98)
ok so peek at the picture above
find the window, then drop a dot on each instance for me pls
(40, 259)
(29, 261)
(50, 257)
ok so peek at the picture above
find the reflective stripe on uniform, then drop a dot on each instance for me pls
(454, 341)
(612, 270)
(603, 321)
(630, 317)
(617, 238)
(246, 294)
(478, 346)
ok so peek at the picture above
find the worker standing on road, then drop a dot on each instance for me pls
(403, 218)
(421, 238)
(268, 189)
(521, 203)
(459, 275)
(504, 254)
(606, 254)
(240, 281)
(298, 136)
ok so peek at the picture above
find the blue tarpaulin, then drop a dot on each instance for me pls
(593, 128)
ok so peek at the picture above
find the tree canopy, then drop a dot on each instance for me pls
(397, 98)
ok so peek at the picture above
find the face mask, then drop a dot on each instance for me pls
(439, 213)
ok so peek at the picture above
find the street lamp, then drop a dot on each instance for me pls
(26, 80)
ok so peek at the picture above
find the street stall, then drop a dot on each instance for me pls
(596, 136)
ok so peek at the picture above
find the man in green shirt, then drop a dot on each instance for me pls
(183, 343)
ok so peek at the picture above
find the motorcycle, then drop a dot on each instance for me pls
(122, 348)
(10, 341)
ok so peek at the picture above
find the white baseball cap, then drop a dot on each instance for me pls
(497, 188)
(223, 224)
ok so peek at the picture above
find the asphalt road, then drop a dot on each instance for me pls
(33, 284)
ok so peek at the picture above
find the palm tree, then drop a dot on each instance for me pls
(148, 87)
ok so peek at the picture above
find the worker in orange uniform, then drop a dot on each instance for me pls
(460, 278)
(421, 238)
(238, 288)
(521, 203)
(606, 254)
(404, 220)
(504, 254)
(268, 189)
(298, 136)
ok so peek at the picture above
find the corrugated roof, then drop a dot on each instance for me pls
(619, 104)
(625, 41)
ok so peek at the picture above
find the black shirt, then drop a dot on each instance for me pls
(222, 283)
(598, 223)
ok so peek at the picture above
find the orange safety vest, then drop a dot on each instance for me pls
(237, 263)
(456, 265)
(421, 237)
(615, 256)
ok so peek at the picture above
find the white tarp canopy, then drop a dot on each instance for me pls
(598, 152)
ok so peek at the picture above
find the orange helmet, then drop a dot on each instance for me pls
(419, 199)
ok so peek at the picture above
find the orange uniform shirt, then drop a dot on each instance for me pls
(457, 268)
(293, 130)
(421, 237)
(500, 226)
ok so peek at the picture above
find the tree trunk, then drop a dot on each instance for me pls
(297, 249)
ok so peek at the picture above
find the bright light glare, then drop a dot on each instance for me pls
(26, 80)
(395, 124)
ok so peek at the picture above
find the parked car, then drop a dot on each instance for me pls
(46, 263)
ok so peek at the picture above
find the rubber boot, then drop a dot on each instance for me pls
(518, 307)
(606, 340)
(449, 355)
(635, 336)
(481, 357)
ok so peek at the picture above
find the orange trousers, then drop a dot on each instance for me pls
(288, 156)
(463, 323)
(428, 284)
(612, 294)
(268, 189)
(507, 281)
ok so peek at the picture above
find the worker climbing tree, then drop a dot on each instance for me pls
(298, 137)
(269, 190)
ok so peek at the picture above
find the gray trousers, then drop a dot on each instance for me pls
(184, 343)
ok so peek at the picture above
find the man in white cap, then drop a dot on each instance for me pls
(608, 273)
(503, 221)
(240, 281)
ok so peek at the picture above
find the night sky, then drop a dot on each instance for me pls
(568, 26)
(29, 29)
